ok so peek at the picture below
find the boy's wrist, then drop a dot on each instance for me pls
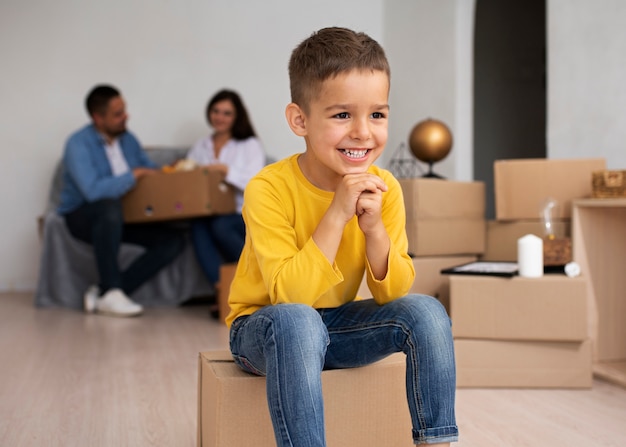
(376, 235)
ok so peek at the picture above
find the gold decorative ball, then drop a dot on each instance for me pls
(430, 140)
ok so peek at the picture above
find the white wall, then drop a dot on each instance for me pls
(586, 75)
(169, 57)
(421, 41)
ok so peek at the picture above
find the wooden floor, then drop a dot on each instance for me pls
(69, 379)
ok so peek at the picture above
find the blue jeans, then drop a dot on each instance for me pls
(101, 224)
(217, 239)
(291, 344)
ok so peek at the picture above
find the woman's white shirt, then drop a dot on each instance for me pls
(244, 159)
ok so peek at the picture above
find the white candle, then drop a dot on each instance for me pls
(530, 256)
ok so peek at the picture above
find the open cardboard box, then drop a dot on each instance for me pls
(178, 195)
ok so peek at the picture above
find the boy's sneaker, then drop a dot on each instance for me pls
(117, 304)
(90, 298)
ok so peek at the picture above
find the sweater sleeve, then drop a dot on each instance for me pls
(293, 268)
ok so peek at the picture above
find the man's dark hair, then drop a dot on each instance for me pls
(242, 127)
(99, 97)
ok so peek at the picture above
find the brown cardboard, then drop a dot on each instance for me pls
(522, 364)
(553, 307)
(363, 406)
(227, 273)
(444, 217)
(428, 277)
(522, 186)
(178, 195)
(502, 236)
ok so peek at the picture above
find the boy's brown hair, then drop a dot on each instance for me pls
(327, 53)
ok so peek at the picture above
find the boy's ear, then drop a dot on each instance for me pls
(296, 119)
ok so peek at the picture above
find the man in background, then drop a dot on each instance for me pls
(102, 161)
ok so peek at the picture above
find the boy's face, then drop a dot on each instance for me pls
(346, 127)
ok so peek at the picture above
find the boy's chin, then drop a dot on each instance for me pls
(358, 169)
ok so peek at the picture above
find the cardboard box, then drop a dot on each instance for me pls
(444, 217)
(502, 236)
(523, 186)
(428, 277)
(553, 307)
(178, 195)
(522, 364)
(362, 406)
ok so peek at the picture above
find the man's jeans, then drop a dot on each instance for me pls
(291, 344)
(101, 224)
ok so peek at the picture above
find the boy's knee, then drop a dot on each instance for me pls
(298, 322)
(296, 317)
(426, 303)
(427, 313)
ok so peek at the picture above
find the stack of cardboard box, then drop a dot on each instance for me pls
(520, 332)
(525, 332)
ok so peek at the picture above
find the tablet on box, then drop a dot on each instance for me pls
(492, 268)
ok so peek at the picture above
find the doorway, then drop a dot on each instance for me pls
(509, 86)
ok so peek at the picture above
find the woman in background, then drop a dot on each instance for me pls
(234, 150)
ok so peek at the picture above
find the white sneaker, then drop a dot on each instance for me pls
(90, 298)
(117, 304)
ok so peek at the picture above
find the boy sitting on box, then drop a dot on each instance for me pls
(315, 222)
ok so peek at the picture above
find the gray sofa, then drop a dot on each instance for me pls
(67, 266)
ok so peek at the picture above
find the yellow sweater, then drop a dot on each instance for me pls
(280, 262)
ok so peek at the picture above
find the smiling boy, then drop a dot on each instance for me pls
(316, 222)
